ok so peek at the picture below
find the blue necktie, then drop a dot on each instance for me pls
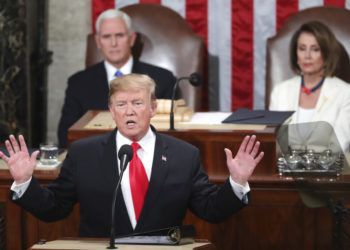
(118, 73)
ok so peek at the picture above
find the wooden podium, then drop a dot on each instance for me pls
(101, 244)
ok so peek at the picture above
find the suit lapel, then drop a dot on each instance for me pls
(97, 83)
(326, 95)
(292, 101)
(111, 173)
(109, 157)
(101, 72)
(137, 67)
(294, 91)
(102, 75)
(160, 170)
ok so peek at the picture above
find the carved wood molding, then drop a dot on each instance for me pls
(13, 99)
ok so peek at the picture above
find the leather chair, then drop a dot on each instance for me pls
(277, 65)
(165, 40)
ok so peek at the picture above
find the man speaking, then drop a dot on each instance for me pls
(163, 179)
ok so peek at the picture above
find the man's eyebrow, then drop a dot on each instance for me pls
(114, 33)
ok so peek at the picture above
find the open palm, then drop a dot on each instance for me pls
(247, 158)
(19, 162)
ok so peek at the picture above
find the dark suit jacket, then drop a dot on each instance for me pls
(88, 89)
(89, 176)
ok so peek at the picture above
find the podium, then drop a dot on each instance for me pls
(99, 244)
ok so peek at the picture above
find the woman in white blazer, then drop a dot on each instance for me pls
(315, 94)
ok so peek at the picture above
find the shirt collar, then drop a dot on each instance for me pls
(144, 142)
(125, 69)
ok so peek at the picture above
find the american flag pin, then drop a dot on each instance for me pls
(163, 158)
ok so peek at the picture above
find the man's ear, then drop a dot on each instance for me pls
(111, 111)
(133, 36)
(153, 108)
(97, 41)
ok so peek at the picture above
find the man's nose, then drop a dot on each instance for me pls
(113, 41)
(129, 109)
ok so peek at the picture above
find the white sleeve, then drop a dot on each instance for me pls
(19, 189)
(274, 99)
(239, 190)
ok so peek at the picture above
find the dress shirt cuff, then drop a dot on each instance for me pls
(19, 189)
(240, 191)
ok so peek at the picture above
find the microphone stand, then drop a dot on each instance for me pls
(195, 80)
(112, 237)
(172, 127)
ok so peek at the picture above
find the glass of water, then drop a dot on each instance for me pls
(48, 153)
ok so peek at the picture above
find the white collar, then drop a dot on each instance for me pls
(125, 69)
(149, 136)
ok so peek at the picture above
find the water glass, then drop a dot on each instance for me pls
(48, 153)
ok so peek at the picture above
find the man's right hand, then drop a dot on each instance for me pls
(20, 163)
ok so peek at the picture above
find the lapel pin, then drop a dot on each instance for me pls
(163, 158)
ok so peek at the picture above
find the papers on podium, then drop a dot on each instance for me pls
(168, 236)
(246, 116)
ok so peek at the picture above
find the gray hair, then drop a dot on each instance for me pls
(113, 13)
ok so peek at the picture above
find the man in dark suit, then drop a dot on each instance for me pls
(169, 169)
(88, 89)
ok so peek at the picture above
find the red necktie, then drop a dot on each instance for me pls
(138, 181)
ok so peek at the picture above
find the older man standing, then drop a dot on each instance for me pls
(163, 179)
(88, 89)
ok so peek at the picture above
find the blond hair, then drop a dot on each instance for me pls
(133, 82)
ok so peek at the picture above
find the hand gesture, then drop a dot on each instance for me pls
(20, 163)
(247, 158)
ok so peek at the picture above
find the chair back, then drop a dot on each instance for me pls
(277, 55)
(165, 40)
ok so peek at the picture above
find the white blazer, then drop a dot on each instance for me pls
(333, 105)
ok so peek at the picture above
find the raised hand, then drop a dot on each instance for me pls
(20, 163)
(247, 158)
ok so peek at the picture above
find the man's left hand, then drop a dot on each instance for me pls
(247, 158)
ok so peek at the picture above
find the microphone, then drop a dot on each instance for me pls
(125, 155)
(195, 79)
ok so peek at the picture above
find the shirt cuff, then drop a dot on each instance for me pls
(19, 189)
(239, 190)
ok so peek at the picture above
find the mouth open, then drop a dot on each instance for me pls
(130, 123)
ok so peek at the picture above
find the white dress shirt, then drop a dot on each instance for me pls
(125, 69)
